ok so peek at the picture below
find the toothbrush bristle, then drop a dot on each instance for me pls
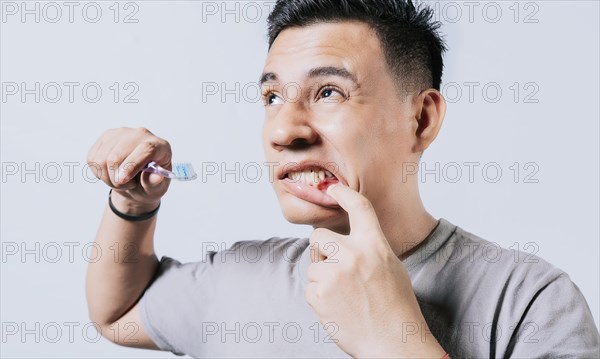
(184, 171)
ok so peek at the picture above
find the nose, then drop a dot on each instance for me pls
(291, 128)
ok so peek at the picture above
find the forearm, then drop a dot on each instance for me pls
(125, 265)
(408, 340)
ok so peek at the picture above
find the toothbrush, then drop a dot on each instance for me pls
(181, 171)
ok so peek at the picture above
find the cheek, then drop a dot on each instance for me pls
(355, 134)
(379, 153)
(393, 132)
(392, 147)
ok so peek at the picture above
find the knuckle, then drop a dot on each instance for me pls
(113, 160)
(362, 203)
(166, 145)
(96, 163)
(127, 166)
(96, 168)
(149, 146)
(90, 158)
(115, 131)
(143, 131)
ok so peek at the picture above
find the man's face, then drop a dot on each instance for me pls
(332, 104)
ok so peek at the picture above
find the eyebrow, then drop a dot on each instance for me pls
(315, 72)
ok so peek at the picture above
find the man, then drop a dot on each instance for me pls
(379, 276)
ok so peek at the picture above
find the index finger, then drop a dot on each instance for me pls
(361, 213)
(138, 159)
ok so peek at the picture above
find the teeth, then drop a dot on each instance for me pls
(311, 177)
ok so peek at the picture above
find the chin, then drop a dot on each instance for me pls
(298, 211)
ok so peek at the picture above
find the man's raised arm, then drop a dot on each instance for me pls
(126, 261)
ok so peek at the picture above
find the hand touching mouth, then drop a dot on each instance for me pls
(309, 182)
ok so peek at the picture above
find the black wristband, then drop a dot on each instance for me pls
(127, 217)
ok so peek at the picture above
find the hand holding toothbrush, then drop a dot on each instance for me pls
(137, 165)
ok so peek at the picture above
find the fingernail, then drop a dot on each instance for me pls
(330, 187)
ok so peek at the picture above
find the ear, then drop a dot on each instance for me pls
(430, 112)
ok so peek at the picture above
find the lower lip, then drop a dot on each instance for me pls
(311, 194)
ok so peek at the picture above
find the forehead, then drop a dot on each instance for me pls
(352, 45)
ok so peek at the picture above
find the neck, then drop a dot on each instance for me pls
(404, 221)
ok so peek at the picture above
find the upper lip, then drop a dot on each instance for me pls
(298, 166)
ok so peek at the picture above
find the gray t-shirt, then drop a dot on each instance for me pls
(479, 300)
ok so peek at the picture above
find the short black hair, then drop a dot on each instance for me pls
(409, 36)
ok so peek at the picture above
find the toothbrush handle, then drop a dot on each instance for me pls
(153, 167)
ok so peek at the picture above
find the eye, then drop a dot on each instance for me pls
(327, 93)
(330, 94)
(271, 98)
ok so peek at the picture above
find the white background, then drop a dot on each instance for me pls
(173, 54)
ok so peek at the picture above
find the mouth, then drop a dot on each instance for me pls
(314, 177)
(309, 182)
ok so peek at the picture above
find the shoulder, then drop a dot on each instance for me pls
(520, 264)
(473, 270)
(484, 269)
(528, 301)
(462, 257)
(518, 297)
(507, 284)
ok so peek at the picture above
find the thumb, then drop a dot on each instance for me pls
(151, 181)
(154, 179)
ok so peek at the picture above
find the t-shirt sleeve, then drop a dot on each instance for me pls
(169, 303)
(557, 323)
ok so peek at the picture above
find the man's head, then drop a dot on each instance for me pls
(412, 46)
(349, 86)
